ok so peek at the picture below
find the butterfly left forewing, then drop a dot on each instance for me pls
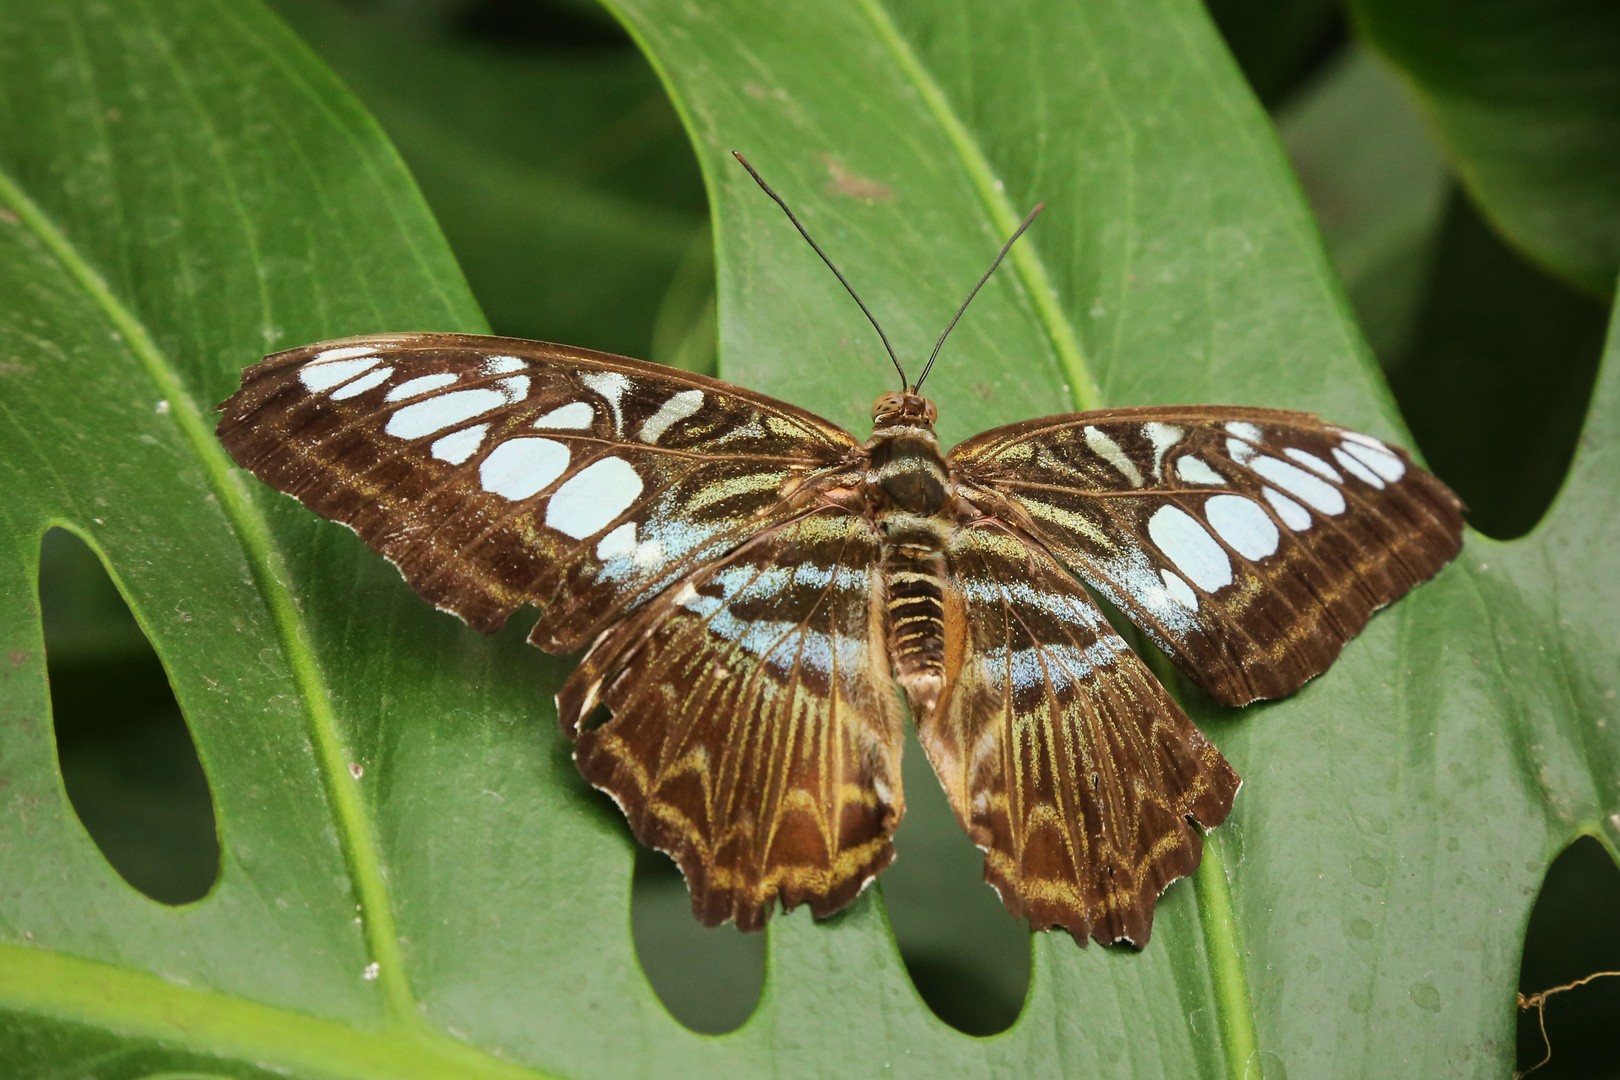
(496, 472)
(755, 733)
(1064, 759)
(1249, 544)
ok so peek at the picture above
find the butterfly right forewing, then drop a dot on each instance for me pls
(1249, 544)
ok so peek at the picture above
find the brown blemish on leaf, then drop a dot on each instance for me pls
(8, 216)
(852, 185)
(19, 657)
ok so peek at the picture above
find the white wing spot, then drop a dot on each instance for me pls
(343, 352)
(1109, 450)
(1163, 437)
(518, 468)
(1380, 461)
(676, 409)
(1357, 469)
(590, 500)
(576, 414)
(1315, 464)
(318, 375)
(1187, 544)
(438, 413)
(611, 385)
(503, 365)
(1365, 440)
(1237, 449)
(1246, 528)
(458, 446)
(1196, 471)
(1297, 482)
(412, 387)
(362, 384)
(1295, 516)
(514, 389)
(1179, 590)
(619, 543)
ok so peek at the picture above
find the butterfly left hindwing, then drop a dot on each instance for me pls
(755, 732)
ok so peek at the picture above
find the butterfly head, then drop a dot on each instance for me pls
(909, 409)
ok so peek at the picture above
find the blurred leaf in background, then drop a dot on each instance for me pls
(1378, 186)
(1525, 97)
(1279, 43)
(550, 154)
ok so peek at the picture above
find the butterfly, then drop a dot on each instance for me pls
(750, 582)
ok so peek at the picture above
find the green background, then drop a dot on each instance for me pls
(185, 184)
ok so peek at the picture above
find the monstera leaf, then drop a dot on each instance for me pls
(1525, 98)
(414, 882)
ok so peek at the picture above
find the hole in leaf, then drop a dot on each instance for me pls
(127, 760)
(968, 958)
(1497, 380)
(709, 978)
(1572, 934)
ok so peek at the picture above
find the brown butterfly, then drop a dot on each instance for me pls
(751, 582)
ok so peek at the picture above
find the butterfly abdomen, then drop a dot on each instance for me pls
(909, 488)
(914, 575)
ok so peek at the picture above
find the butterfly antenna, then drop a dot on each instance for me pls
(1004, 249)
(760, 180)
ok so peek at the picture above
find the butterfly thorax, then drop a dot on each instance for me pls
(910, 495)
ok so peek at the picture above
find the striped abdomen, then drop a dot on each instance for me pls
(914, 573)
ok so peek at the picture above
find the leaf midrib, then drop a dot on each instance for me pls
(268, 574)
(1028, 265)
(55, 986)
(1239, 1034)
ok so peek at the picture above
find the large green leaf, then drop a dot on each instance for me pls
(185, 188)
(1525, 96)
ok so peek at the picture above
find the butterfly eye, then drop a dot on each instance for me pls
(887, 403)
